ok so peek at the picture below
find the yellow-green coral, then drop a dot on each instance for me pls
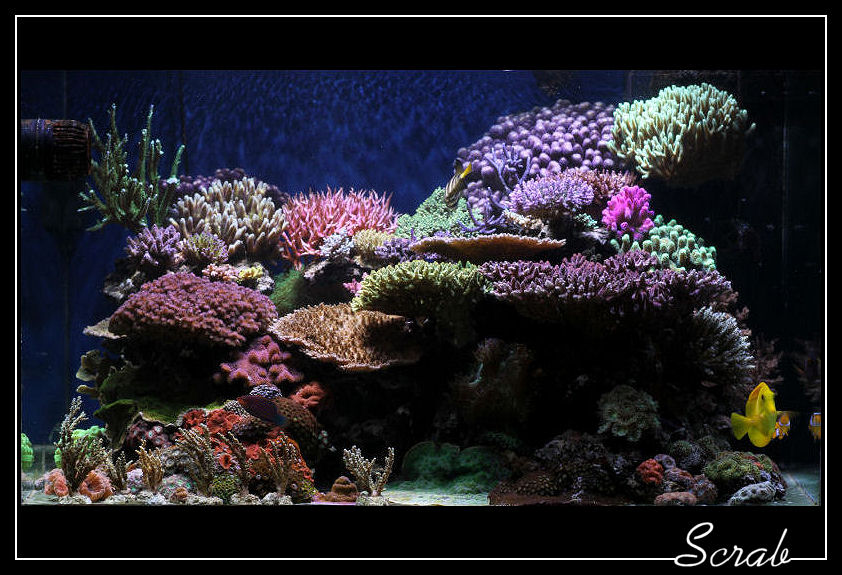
(685, 135)
(445, 291)
(368, 240)
(433, 216)
(675, 246)
(250, 273)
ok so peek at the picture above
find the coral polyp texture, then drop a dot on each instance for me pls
(675, 246)
(263, 362)
(685, 135)
(627, 413)
(155, 251)
(237, 212)
(625, 284)
(182, 308)
(200, 250)
(353, 341)
(548, 197)
(628, 213)
(433, 216)
(542, 141)
(480, 249)
(312, 218)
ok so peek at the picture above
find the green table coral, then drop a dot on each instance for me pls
(628, 413)
(27, 455)
(675, 246)
(433, 216)
(444, 291)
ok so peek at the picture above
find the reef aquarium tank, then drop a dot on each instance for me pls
(320, 290)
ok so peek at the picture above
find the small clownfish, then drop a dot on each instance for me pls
(453, 190)
(815, 425)
(782, 425)
(760, 420)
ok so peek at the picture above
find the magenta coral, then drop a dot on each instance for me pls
(628, 213)
(262, 363)
(313, 217)
(182, 308)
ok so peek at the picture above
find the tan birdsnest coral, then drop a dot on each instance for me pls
(480, 249)
(355, 342)
(239, 213)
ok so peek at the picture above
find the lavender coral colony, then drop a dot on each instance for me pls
(543, 279)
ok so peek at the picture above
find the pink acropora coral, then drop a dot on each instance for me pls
(628, 213)
(312, 217)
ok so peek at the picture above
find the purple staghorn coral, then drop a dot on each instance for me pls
(552, 195)
(183, 309)
(547, 140)
(625, 284)
(154, 251)
(628, 213)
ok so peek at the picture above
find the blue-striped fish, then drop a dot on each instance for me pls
(453, 190)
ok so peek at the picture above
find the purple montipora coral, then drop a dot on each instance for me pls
(154, 251)
(628, 213)
(396, 250)
(551, 195)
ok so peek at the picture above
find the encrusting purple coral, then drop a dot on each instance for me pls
(154, 251)
(628, 213)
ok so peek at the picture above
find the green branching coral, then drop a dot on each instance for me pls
(131, 200)
(27, 455)
(433, 216)
(628, 413)
(719, 348)
(685, 135)
(445, 291)
(675, 246)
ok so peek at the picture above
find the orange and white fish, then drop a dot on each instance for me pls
(782, 425)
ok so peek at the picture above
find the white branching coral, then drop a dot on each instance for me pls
(239, 213)
(685, 135)
(369, 478)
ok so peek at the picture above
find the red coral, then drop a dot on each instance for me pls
(220, 421)
(310, 395)
(225, 460)
(180, 309)
(56, 484)
(96, 486)
(313, 217)
(193, 417)
(650, 471)
(262, 363)
(253, 451)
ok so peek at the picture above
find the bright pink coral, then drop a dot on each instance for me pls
(262, 363)
(312, 217)
(180, 309)
(628, 213)
(310, 395)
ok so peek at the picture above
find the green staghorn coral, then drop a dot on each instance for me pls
(675, 246)
(130, 200)
(628, 413)
(433, 216)
(685, 135)
(445, 291)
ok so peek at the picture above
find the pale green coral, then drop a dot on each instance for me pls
(433, 216)
(685, 135)
(628, 413)
(443, 290)
(675, 246)
(124, 198)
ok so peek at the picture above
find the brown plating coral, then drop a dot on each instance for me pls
(480, 249)
(355, 342)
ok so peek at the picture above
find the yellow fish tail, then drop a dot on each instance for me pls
(739, 425)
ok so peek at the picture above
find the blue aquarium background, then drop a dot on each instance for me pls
(398, 132)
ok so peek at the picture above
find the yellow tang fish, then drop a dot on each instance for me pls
(453, 190)
(760, 419)
(816, 425)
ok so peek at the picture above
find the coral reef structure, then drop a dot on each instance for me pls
(675, 246)
(155, 251)
(685, 135)
(628, 413)
(483, 248)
